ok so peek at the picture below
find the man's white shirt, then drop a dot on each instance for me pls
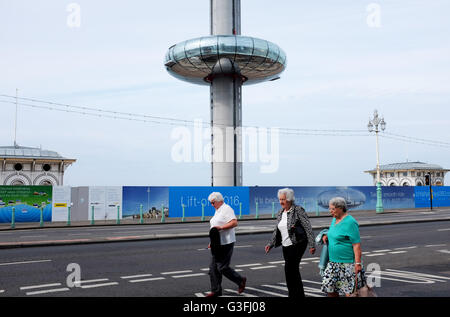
(222, 216)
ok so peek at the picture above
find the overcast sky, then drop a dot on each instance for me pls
(344, 59)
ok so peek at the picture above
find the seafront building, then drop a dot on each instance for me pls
(410, 174)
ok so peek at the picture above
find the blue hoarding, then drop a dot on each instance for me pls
(441, 196)
(194, 197)
(317, 198)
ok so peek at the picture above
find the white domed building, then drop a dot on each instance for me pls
(409, 174)
(32, 166)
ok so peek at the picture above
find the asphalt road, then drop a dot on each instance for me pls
(412, 259)
(113, 233)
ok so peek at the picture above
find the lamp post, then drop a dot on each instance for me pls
(374, 125)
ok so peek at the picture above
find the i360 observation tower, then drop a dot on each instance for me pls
(225, 61)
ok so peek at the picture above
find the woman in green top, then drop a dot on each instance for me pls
(344, 251)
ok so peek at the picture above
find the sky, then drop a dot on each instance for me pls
(345, 59)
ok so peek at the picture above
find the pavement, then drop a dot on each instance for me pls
(249, 224)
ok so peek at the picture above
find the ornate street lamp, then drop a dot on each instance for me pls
(373, 126)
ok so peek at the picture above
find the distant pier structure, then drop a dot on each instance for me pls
(225, 61)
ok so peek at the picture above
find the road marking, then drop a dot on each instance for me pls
(420, 274)
(313, 282)
(276, 262)
(262, 267)
(199, 295)
(444, 251)
(446, 229)
(314, 258)
(435, 245)
(375, 254)
(397, 252)
(176, 272)
(54, 290)
(243, 246)
(99, 285)
(148, 279)
(135, 276)
(247, 265)
(37, 236)
(306, 289)
(241, 294)
(386, 250)
(406, 248)
(91, 281)
(39, 286)
(265, 292)
(2, 291)
(189, 275)
(25, 262)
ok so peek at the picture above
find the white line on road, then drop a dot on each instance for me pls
(188, 275)
(265, 292)
(276, 262)
(148, 279)
(375, 254)
(444, 251)
(243, 246)
(99, 285)
(39, 286)
(435, 245)
(446, 229)
(176, 272)
(262, 267)
(313, 282)
(313, 258)
(135, 276)
(24, 262)
(406, 248)
(54, 290)
(385, 250)
(242, 294)
(420, 274)
(91, 281)
(397, 252)
(247, 265)
(2, 291)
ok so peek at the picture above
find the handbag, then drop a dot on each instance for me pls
(300, 233)
(364, 291)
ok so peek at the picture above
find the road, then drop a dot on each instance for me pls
(413, 260)
(113, 233)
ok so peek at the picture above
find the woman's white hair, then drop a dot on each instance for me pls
(215, 196)
(288, 192)
(339, 202)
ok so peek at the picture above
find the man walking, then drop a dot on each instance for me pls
(224, 221)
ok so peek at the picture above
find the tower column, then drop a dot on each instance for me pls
(226, 109)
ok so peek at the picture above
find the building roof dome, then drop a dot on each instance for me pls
(28, 152)
(409, 166)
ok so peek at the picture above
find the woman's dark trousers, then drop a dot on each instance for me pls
(292, 257)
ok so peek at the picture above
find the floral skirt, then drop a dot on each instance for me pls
(340, 278)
